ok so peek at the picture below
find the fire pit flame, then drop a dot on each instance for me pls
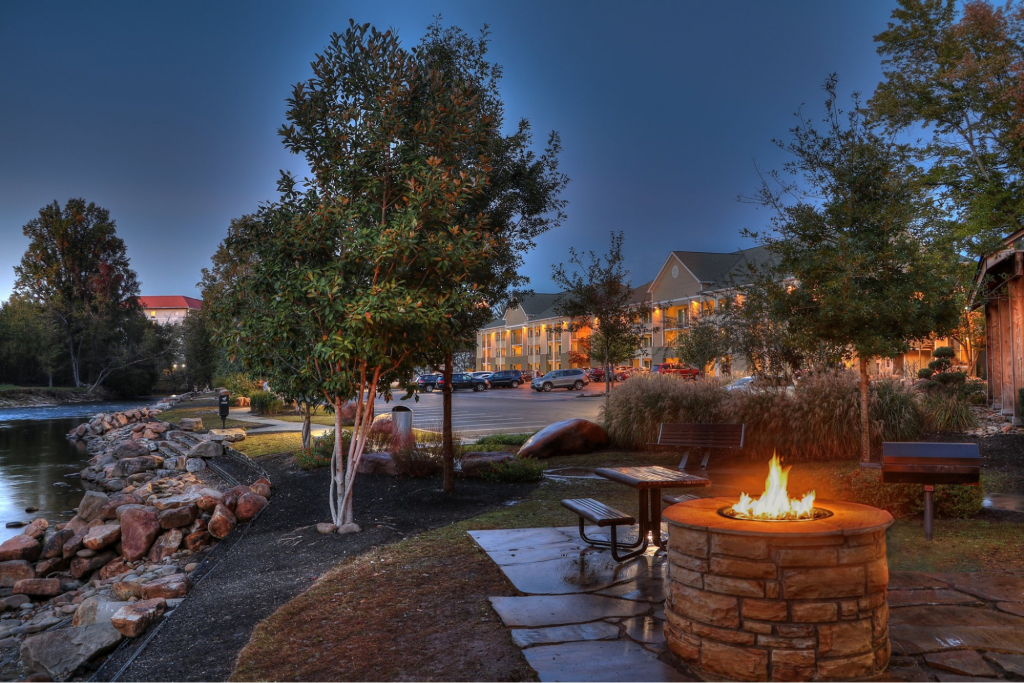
(775, 502)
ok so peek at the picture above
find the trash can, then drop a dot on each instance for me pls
(401, 426)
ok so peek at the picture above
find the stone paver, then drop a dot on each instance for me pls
(587, 618)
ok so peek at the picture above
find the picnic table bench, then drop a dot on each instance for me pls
(930, 464)
(648, 481)
(699, 436)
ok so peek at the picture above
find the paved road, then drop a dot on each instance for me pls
(474, 414)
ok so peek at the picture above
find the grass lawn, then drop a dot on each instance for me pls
(418, 609)
(211, 420)
(258, 445)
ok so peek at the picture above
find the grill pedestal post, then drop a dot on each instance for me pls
(929, 512)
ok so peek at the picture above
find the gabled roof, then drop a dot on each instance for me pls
(535, 304)
(170, 302)
(708, 267)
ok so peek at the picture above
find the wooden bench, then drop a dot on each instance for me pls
(596, 512)
(701, 436)
(930, 464)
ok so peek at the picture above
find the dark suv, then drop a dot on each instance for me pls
(428, 383)
(463, 381)
(506, 378)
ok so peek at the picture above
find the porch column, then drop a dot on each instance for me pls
(1006, 346)
(995, 363)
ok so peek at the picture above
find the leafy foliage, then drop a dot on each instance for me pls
(705, 342)
(906, 500)
(948, 412)
(503, 440)
(515, 471)
(265, 403)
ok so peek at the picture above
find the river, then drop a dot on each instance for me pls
(35, 456)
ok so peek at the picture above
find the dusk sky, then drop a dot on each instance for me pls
(166, 113)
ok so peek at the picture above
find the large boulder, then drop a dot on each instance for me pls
(96, 610)
(567, 437)
(20, 547)
(221, 522)
(116, 501)
(378, 463)
(54, 545)
(115, 567)
(51, 565)
(165, 545)
(38, 588)
(130, 449)
(92, 505)
(177, 501)
(249, 505)
(101, 536)
(139, 528)
(58, 653)
(190, 424)
(206, 449)
(81, 567)
(37, 529)
(168, 587)
(143, 463)
(229, 435)
(475, 464)
(173, 518)
(133, 619)
(197, 540)
(75, 543)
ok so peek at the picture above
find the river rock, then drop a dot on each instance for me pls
(197, 540)
(222, 522)
(567, 437)
(75, 543)
(133, 506)
(129, 449)
(96, 610)
(83, 566)
(51, 565)
(206, 449)
(378, 463)
(13, 602)
(38, 588)
(76, 524)
(116, 501)
(20, 547)
(133, 619)
(229, 501)
(173, 586)
(177, 501)
(475, 464)
(101, 536)
(58, 653)
(139, 528)
(115, 567)
(53, 546)
(92, 505)
(326, 528)
(190, 424)
(165, 545)
(126, 590)
(173, 518)
(195, 465)
(143, 463)
(262, 489)
(248, 506)
(37, 529)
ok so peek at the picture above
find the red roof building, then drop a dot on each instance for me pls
(168, 309)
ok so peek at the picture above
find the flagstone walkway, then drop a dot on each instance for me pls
(585, 617)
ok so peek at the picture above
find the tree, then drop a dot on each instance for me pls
(77, 268)
(347, 260)
(705, 342)
(519, 201)
(197, 347)
(29, 342)
(855, 228)
(960, 79)
(598, 296)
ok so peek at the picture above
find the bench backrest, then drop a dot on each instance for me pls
(701, 435)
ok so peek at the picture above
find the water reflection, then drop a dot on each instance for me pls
(35, 455)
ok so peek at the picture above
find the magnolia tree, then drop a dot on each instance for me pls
(344, 264)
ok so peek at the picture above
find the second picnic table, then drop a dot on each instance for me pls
(649, 481)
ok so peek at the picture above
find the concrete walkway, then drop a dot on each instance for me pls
(273, 426)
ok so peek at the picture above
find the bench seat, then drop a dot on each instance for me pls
(596, 512)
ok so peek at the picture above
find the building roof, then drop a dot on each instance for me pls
(721, 271)
(170, 302)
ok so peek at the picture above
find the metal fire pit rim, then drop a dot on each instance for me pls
(817, 513)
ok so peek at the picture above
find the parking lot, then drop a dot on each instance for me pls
(475, 414)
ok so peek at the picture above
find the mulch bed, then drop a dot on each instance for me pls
(280, 554)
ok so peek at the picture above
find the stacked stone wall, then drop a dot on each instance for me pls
(779, 606)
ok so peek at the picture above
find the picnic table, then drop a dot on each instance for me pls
(648, 481)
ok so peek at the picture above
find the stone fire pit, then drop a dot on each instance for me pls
(778, 600)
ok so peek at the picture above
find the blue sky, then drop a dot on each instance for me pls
(166, 113)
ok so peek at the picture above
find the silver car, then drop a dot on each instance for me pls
(562, 379)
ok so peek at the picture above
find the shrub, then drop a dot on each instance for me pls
(320, 451)
(516, 471)
(896, 410)
(768, 418)
(826, 417)
(950, 379)
(237, 383)
(503, 440)
(634, 410)
(925, 373)
(905, 500)
(378, 439)
(265, 403)
(417, 462)
(948, 412)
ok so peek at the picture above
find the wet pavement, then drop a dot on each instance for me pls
(585, 617)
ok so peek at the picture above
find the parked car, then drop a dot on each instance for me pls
(428, 383)
(597, 374)
(679, 370)
(568, 379)
(741, 384)
(483, 374)
(461, 380)
(506, 378)
(527, 377)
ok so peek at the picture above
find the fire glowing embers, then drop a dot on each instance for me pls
(775, 502)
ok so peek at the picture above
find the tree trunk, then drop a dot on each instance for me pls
(865, 418)
(306, 410)
(607, 378)
(336, 464)
(447, 447)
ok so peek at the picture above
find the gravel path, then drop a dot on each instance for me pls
(266, 563)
